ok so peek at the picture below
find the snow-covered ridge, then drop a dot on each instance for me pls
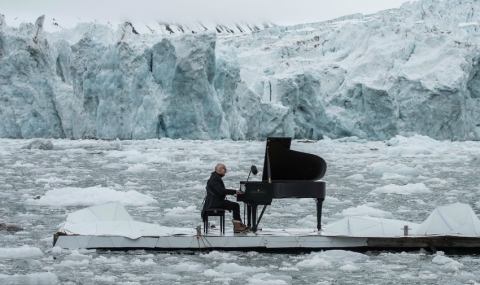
(411, 70)
(167, 28)
(54, 24)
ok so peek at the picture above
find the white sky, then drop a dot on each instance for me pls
(280, 12)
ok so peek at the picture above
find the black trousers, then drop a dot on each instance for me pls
(232, 206)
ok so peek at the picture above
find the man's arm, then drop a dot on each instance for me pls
(217, 185)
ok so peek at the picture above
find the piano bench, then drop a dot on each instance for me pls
(212, 212)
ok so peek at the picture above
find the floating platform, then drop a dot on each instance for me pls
(452, 229)
(271, 240)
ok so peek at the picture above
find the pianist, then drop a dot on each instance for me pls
(216, 193)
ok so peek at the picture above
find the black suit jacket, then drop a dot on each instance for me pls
(216, 191)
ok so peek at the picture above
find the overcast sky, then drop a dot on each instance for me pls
(280, 12)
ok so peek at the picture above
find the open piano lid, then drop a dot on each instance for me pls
(281, 163)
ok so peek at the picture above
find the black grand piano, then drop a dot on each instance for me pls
(286, 174)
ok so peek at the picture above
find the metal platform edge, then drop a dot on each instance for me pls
(447, 244)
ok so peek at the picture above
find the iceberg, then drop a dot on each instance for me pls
(402, 71)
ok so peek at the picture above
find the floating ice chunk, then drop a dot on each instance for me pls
(269, 279)
(148, 262)
(341, 256)
(72, 196)
(159, 159)
(408, 151)
(117, 261)
(3, 151)
(436, 181)
(45, 278)
(475, 160)
(219, 255)
(179, 213)
(73, 263)
(364, 210)
(349, 267)
(105, 279)
(413, 141)
(117, 144)
(164, 276)
(212, 273)
(235, 268)
(254, 149)
(334, 200)
(56, 250)
(356, 177)
(447, 262)
(18, 253)
(288, 269)
(354, 139)
(27, 263)
(19, 164)
(54, 180)
(138, 168)
(186, 267)
(129, 156)
(40, 144)
(381, 168)
(418, 188)
(9, 227)
(77, 256)
(466, 277)
(394, 176)
(315, 262)
(413, 146)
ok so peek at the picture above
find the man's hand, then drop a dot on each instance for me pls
(239, 192)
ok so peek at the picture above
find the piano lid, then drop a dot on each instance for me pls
(281, 163)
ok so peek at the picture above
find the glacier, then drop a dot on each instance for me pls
(405, 71)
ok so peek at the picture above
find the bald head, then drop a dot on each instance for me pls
(221, 169)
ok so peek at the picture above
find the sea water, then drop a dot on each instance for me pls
(163, 181)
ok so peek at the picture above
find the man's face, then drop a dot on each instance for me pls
(222, 170)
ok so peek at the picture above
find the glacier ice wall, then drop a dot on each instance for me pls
(412, 70)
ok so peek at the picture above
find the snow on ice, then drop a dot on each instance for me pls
(20, 253)
(72, 196)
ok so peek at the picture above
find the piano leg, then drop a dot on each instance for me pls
(249, 215)
(261, 214)
(254, 218)
(319, 213)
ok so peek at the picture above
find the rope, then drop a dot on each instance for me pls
(203, 239)
(199, 234)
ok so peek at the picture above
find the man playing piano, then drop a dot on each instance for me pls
(216, 193)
